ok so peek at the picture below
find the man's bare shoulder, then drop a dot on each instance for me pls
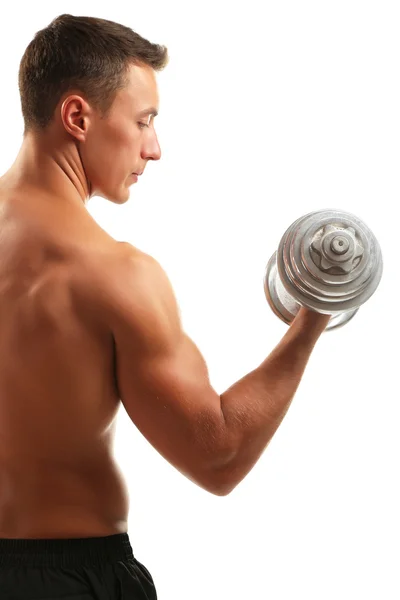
(124, 278)
(132, 263)
(140, 276)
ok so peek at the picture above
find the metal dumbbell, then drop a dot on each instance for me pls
(328, 261)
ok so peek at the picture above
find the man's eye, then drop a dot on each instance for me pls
(141, 125)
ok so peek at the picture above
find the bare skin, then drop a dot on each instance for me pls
(87, 323)
(58, 399)
(58, 395)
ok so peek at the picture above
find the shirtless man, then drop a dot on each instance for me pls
(88, 322)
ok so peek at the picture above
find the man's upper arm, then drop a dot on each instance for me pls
(162, 377)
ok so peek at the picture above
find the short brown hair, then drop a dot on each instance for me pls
(90, 54)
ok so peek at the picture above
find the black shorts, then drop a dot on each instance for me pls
(99, 568)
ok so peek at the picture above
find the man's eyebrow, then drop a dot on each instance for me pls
(148, 111)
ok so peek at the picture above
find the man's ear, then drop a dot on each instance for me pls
(75, 116)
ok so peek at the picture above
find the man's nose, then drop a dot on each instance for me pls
(151, 149)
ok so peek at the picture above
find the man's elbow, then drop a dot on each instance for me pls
(222, 473)
(223, 482)
(222, 491)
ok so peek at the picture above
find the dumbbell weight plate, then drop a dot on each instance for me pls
(328, 261)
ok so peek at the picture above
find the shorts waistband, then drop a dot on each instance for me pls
(68, 553)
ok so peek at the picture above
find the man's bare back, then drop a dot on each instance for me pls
(58, 396)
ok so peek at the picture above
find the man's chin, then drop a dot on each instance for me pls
(120, 198)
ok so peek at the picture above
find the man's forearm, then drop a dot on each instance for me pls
(255, 406)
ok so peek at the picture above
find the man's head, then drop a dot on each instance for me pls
(85, 84)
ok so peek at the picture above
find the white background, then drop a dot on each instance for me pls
(268, 111)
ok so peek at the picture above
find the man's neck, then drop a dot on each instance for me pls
(57, 172)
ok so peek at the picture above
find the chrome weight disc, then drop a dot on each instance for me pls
(328, 261)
